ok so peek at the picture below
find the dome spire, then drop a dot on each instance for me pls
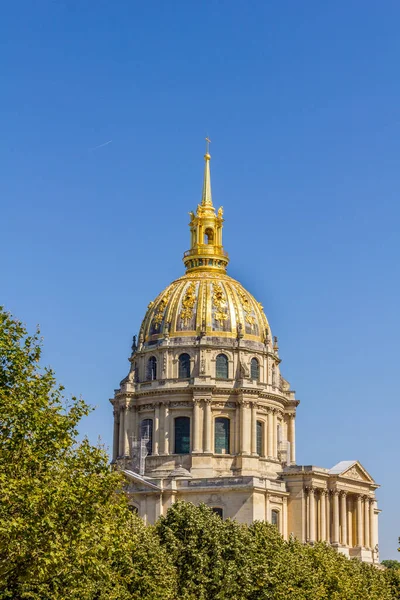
(206, 198)
(206, 249)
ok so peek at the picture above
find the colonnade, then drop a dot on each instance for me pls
(243, 428)
(340, 518)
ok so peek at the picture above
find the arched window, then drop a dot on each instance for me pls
(209, 236)
(260, 438)
(255, 369)
(152, 369)
(275, 518)
(222, 435)
(182, 435)
(221, 367)
(218, 511)
(146, 433)
(184, 366)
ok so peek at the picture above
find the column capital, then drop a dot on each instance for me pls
(371, 501)
(334, 492)
(310, 489)
(342, 493)
(324, 492)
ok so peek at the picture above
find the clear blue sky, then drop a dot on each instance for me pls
(302, 103)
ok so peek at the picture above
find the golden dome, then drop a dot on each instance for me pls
(205, 301)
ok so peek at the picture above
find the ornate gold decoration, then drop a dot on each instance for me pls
(247, 307)
(162, 305)
(219, 303)
(188, 302)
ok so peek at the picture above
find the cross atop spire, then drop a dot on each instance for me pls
(206, 198)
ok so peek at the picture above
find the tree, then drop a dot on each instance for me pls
(391, 564)
(65, 530)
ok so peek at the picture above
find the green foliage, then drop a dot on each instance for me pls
(218, 560)
(391, 564)
(65, 530)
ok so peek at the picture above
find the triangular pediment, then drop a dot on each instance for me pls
(140, 483)
(351, 469)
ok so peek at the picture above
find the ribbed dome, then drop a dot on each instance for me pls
(208, 303)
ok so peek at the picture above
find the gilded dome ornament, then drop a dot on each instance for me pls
(205, 301)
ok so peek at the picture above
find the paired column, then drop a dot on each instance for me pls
(275, 434)
(207, 427)
(121, 430)
(244, 428)
(196, 426)
(166, 428)
(156, 435)
(322, 532)
(343, 517)
(372, 538)
(335, 532)
(366, 522)
(254, 429)
(292, 439)
(311, 510)
(359, 522)
(270, 434)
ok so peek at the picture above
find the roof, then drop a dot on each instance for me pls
(341, 466)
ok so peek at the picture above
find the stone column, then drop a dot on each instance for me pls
(244, 428)
(237, 429)
(134, 422)
(115, 435)
(359, 522)
(167, 434)
(254, 429)
(196, 426)
(366, 522)
(328, 516)
(121, 430)
(372, 539)
(270, 434)
(349, 522)
(343, 517)
(292, 439)
(311, 514)
(207, 427)
(156, 435)
(275, 434)
(335, 532)
(323, 515)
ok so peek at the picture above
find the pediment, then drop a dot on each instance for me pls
(352, 470)
(139, 483)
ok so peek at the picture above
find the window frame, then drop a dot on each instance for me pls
(276, 512)
(228, 440)
(151, 374)
(189, 430)
(180, 376)
(150, 442)
(225, 376)
(260, 447)
(255, 361)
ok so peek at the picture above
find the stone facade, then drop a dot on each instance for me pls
(205, 415)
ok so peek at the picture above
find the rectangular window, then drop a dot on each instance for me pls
(260, 435)
(222, 435)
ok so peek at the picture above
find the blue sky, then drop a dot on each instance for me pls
(301, 101)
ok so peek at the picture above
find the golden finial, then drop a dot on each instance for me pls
(206, 199)
(207, 155)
